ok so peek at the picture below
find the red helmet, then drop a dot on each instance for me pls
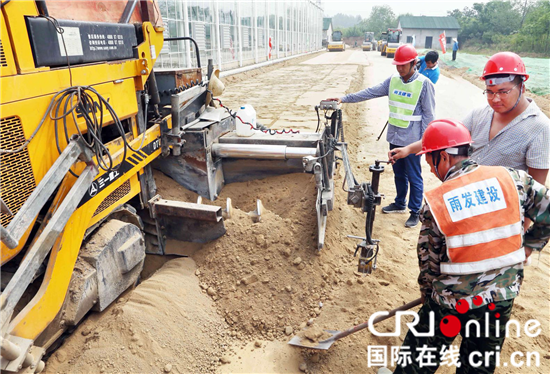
(404, 54)
(504, 63)
(444, 133)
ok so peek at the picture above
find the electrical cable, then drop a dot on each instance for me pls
(197, 53)
(331, 147)
(369, 204)
(79, 100)
(341, 126)
(259, 127)
(60, 31)
(267, 130)
(373, 258)
(157, 13)
(84, 106)
(345, 181)
(24, 145)
(318, 118)
(87, 102)
(146, 99)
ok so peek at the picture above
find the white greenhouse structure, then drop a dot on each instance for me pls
(238, 33)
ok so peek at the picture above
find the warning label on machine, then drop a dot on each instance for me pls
(71, 36)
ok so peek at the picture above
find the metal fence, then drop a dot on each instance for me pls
(239, 33)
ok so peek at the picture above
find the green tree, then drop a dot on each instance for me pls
(499, 17)
(535, 33)
(524, 7)
(354, 31)
(404, 15)
(517, 25)
(381, 18)
(345, 21)
(483, 21)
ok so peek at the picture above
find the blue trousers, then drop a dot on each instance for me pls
(408, 172)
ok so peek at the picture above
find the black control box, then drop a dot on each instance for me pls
(84, 42)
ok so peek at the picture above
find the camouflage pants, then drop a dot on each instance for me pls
(479, 344)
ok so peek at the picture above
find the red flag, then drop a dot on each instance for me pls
(443, 42)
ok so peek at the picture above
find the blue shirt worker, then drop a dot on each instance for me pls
(412, 107)
(429, 67)
(455, 48)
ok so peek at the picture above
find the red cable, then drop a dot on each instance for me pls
(283, 131)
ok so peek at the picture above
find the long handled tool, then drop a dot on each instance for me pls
(379, 136)
(337, 335)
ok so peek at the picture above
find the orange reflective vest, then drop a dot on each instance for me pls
(479, 214)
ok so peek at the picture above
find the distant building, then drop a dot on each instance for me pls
(327, 31)
(425, 30)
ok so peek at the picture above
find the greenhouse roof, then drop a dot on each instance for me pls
(424, 22)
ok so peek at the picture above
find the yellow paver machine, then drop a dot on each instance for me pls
(84, 119)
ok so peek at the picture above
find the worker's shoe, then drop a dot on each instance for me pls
(393, 208)
(413, 220)
(384, 371)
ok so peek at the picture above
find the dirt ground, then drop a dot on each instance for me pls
(232, 306)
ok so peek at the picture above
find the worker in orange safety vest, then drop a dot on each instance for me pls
(478, 211)
(471, 252)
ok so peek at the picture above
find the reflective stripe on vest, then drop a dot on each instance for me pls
(479, 213)
(403, 100)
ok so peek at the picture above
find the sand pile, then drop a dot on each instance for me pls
(261, 281)
(164, 325)
(267, 278)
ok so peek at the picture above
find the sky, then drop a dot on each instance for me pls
(417, 8)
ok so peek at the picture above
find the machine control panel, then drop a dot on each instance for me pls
(328, 105)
